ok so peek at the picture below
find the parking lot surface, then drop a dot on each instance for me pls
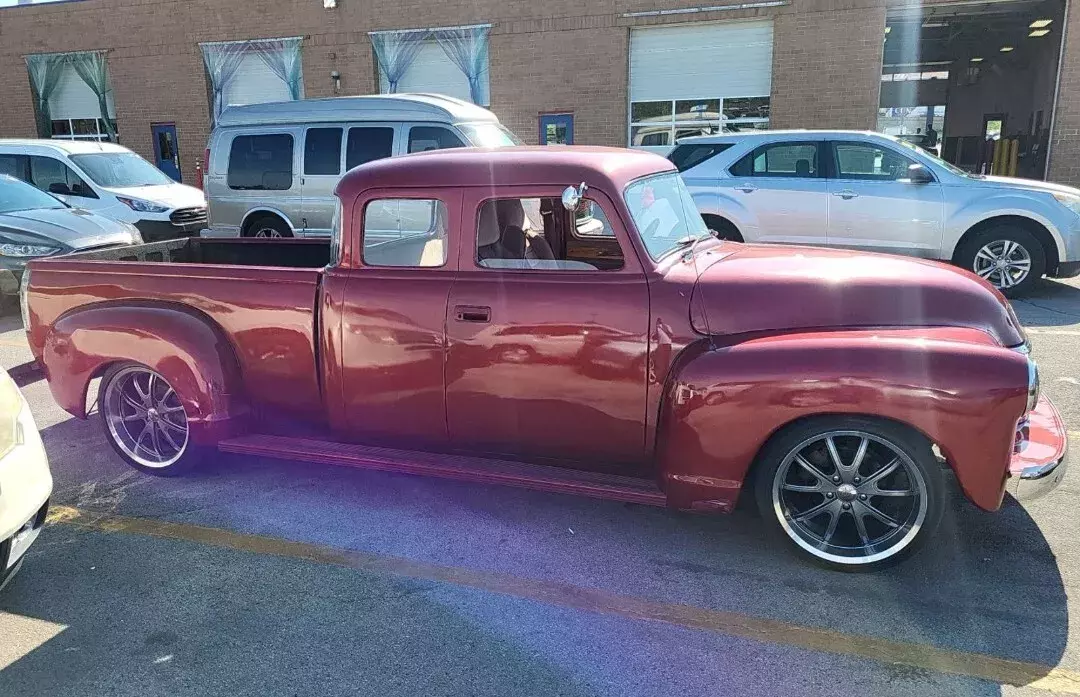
(260, 577)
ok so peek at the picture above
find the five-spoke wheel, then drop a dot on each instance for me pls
(144, 419)
(851, 493)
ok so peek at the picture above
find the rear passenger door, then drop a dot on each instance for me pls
(324, 155)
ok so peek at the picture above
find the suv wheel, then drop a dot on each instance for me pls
(1009, 257)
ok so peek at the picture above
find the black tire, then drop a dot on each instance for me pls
(856, 507)
(267, 226)
(722, 228)
(993, 239)
(188, 456)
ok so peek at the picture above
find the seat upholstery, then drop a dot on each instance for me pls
(802, 168)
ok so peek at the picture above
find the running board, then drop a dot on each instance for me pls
(461, 467)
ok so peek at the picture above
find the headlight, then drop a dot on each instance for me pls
(136, 236)
(141, 206)
(9, 249)
(1070, 201)
(11, 406)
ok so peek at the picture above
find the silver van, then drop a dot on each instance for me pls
(272, 168)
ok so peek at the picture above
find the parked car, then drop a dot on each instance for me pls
(34, 224)
(25, 480)
(272, 168)
(874, 192)
(109, 180)
(651, 364)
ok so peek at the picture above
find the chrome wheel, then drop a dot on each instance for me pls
(1004, 263)
(850, 497)
(145, 417)
(267, 232)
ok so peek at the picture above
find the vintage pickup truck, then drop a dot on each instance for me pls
(561, 319)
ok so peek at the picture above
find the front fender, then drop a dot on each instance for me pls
(713, 199)
(955, 386)
(979, 210)
(186, 348)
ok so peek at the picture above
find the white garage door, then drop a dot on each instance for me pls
(686, 78)
(74, 108)
(255, 83)
(433, 71)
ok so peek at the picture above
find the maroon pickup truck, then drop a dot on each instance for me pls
(561, 319)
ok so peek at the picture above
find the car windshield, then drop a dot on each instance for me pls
(488, 135)
(937, 160)
(664, 213)
(120, 170)
(20, 196)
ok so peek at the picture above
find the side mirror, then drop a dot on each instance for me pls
(59, 188)
(571, 197)
(919, 174)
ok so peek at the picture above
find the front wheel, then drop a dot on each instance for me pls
(145, 421)
(1010, 258)
(850, 493)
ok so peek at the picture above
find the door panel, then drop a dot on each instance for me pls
(872, 206)
(322, 162)
(780, 184)
(166, 150)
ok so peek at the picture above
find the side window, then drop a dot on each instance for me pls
(261, 162)
(540, 234)
(690, 155)
(367, 144)
(423, 138)
(322, 151)
(17, 166)
(779, 160)
(52, 175)
(870, 162)
(405, 232)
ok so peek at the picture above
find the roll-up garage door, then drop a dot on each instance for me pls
(693, 73)
(433, 71)
(255, 83)
(73, 98)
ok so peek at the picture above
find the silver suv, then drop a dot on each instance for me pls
(872, 192)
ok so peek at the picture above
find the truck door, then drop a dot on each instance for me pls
(393, 313)
(547, 329)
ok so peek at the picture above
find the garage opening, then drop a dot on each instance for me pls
(974, 83)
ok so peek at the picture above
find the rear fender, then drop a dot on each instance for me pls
(955, 386)
(186, 348)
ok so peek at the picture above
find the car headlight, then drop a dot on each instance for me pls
(136, 236)
(136, 204)
(24, 251)
(11, 406)
(1070, 201)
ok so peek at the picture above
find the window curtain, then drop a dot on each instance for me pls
(222, 60)
(283, 58)
(45, 71)
(395, 51)
(93, 69)
(467, 47)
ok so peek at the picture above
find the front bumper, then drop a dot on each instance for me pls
(1041, 458)
(158, 230)
(1067, 269)
(13, 549)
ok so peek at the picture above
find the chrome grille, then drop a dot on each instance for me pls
(189, 216)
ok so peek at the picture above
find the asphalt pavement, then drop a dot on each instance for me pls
(259, 577)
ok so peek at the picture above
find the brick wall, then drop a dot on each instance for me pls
(1065, 139)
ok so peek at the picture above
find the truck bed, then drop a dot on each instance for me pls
(261, 295)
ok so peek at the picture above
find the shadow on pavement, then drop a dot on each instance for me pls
(987, 584)
(1051, 303)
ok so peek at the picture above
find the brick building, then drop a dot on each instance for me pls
(609, 63)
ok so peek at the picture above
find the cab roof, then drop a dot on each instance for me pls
(605, 168)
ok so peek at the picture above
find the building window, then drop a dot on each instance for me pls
(662, 123)
(448, 60)
(82, 129)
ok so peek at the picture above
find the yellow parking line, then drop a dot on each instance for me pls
(922, 656)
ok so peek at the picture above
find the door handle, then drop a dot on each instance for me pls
(846, 194)
(747, 188)
(472, 313)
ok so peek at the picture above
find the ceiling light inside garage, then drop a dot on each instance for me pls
(1040, 23)
(934, 25)
(1006, 49)
(976, 60)
(888, 29)
(1039, 32)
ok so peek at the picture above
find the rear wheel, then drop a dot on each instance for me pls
(850, 493)
(268, 226)
(145, 421)
(1009, 257)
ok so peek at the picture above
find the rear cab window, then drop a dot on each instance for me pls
(261, 162)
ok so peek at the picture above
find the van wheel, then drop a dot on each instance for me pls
(850, 493)
(145, 421)
(1009, 257)
(268, 226)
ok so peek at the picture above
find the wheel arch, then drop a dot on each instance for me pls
(1035, 227)
(261, 212)
(719, 223)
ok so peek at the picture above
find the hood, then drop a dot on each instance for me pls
(171, 195)
(71, 227)
(1031, 185)
(759, 288)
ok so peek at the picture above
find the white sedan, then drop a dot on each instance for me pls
(25, 480)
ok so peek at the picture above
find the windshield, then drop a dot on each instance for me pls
(488, 135)
(937, 160)
(20, 196)
(664, 213)
(120, 170)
